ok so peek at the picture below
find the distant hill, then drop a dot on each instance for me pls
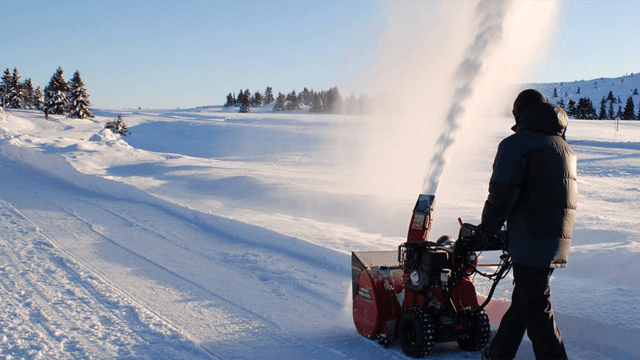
(621, 87)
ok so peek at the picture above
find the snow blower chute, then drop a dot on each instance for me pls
(424, 293)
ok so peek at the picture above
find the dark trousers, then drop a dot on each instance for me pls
(530, 311)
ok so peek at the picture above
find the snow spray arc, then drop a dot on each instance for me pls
(491, 15)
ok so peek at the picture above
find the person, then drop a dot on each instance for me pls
(533, 188)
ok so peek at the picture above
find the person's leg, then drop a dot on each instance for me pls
(512, 326)
(535, 306)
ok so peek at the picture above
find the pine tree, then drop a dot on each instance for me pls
(5, 88)
(571, 108)
(306, 97)
(117, 126)
(561, 104)
(611, 114)
(55, 96)
(610, 97)
(16, 91)
(39, 99)
(578, 91)
(78, 98)
(268, 96)
(29, 95)
(230, 100)
(292, 101)
(602, 115)
(629, 110)
(245, 107)
(280, 102)
(619, 113)
(555, 92)
(257, 99)
(316, 104)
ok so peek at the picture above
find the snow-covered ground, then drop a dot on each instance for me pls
(212, 234)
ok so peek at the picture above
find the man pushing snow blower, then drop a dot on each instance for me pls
(533, 187)
(424, 293)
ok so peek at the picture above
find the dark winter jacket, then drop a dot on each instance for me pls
(533, 188)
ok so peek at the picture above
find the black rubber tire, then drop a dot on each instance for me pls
(479, 333)
(416, 333)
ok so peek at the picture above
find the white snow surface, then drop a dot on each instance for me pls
(217, 235)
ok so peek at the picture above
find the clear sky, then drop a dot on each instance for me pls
(168, 54)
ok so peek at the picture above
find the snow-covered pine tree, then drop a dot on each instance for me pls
(280, 102)
(29, 95)
(292, 101)
(78, 98)
(5, 88)
(39, 99)
(55, 96)
(17, 93)
(306, 97)
(268, 96)
(555, 92)
(316, 103)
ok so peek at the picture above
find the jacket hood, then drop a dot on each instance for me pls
(543, 117)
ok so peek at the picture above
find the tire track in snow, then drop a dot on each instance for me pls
(262, 338)
(55, 309)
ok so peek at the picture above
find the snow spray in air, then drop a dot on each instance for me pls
(491, 16)
(490, 47)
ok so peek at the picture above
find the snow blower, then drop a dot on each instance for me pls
(424, 293)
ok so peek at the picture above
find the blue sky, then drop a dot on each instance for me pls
(168, 54)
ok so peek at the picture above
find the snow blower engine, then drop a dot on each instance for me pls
(424, 293)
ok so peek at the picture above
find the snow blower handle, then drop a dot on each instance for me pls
(477, 238)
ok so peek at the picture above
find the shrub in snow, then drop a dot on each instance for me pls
(117, 126)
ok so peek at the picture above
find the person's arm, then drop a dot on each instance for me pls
(506, 184)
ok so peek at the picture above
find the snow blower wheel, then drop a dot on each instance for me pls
(480, 331)
(416, 332)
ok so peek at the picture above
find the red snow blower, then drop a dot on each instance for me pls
(424, 293)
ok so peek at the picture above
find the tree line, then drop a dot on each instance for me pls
(584, 108)
(326, 101)
(59, 96)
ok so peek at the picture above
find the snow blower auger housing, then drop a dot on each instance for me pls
(424, 293)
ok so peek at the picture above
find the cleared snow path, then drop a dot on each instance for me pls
(91, 276)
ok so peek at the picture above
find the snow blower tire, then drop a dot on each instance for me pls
(416, 332)
(479, 333)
